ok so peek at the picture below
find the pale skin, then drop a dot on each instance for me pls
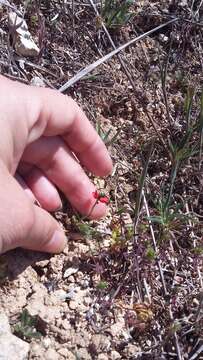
(40, 130)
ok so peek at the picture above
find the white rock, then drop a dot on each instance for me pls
(23, 41)
(66, 354)
(36, 351)
(117, 328)
(100, 342)
(102, 357)
(132, 351)
(60, 294)
(4, 324)
(70, 271)
(183, 3)
(115, 355)
(82, 354)
(51, 354)
(46, 342)
(78, 301)
(149, 343)
(163, 38)
(195, 302)
(10, 345)
(37, 81)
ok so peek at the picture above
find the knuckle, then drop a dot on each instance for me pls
(17, 227)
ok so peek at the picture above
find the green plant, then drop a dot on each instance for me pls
(121, 234)
(175, 326)
(116, 13)
(105, 136)
(168, 218)
(198, 250)
(87, 230)
(150, 253)
(200, 130)
(169, 215)
(141, 185)
(102, 285)
(34, 20)
(26, 327)
(184, 149)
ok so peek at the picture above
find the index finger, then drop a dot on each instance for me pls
(63, 116)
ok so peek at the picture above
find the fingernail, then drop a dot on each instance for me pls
(57, 242)
(57, 207)
(60, 205)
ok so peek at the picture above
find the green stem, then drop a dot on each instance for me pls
(85, 217)
(173, 177)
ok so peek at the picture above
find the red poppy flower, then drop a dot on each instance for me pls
(104, 199)
(100, 197)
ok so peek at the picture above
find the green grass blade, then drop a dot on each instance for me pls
(188, 106)
(201, 130)
(141, 185)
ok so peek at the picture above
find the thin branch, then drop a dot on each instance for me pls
(157, 132)
(172, 16)
(140, 189)
(105, 58)
(200, 307)
(194, 244)
(199, 8)
(155, 245)
(201, 131)
(73, 20)
(137, 213)
(129, 78)
(164, 70)
(179, 356)
(11, 7)
(197, 353)
(191, 9)
(114, 46)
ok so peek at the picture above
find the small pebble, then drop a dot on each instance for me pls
(51, 354)
(115, 355)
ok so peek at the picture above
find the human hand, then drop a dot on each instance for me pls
(42, 134)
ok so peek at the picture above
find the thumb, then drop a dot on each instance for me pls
(45, 233)
(24, 224)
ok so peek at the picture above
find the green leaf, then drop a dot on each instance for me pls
(102, 285)
(142, 182)
(85, 229)
(150, 253)
(116, 13)
(188, 105)
(25, 328)
(155, 219)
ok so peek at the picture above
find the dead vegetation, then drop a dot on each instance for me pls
(137, 281)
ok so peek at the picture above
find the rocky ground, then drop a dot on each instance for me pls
(129, 286)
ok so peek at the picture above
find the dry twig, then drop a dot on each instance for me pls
(105, 58)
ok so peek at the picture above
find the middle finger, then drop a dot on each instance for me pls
(55, 159)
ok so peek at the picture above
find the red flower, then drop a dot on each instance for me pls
(104, 199)
(101, 197)
(95, 194)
